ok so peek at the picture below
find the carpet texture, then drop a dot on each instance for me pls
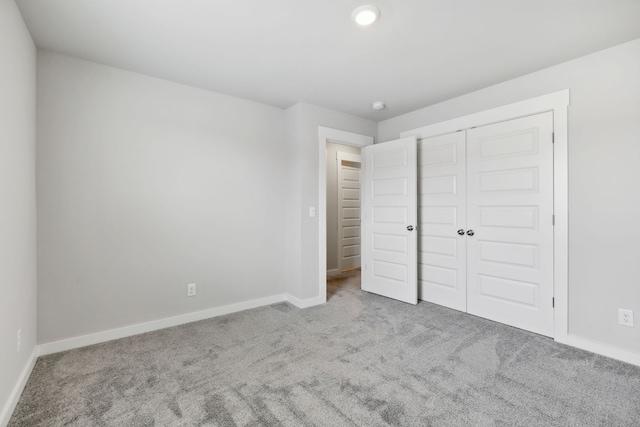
(359, 360)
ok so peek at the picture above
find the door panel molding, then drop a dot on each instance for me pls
(509, 205)
(349, 200)
(389, 214)
(442, 208)
(557, 102)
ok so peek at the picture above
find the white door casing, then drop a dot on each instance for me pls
(348, 168)
(389, 222)
(442, 252)
(510, 222)
(558, 103)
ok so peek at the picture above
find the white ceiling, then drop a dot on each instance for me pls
(280, 52)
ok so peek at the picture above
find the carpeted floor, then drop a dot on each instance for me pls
(360, 360)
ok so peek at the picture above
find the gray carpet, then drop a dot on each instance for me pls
(360, 360)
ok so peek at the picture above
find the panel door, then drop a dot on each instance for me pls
(389, 204)
(348, 211)
(509, 222)
(442, 213)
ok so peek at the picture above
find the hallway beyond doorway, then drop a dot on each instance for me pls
(349, 279)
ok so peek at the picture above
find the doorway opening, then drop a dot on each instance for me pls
(349, 281)
(343, 138)
(343, 216)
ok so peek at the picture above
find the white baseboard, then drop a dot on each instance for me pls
(7, 411)
(333, 273)
(140, 328)
(604, 349)
(305, 303)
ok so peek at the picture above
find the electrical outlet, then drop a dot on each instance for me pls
(625, 317)
(19, 340)
(191, 289)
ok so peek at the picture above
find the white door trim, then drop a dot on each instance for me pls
(325, 135)
(557, 102)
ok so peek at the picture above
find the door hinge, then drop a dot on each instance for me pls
(553, 303)
(553, 220)
(553, 137)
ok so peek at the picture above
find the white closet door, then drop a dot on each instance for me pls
(389, 205)
(442, 213)
(509, 222)
(348, 210)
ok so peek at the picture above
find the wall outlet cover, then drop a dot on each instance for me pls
(191, 289)
(625, 317)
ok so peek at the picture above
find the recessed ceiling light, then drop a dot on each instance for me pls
(378, 105)
(366, 15)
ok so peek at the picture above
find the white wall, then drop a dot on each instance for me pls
(332, 201)
(302, 139)
(17, 202)
(145, 186)
(294, 201)
(604, 201)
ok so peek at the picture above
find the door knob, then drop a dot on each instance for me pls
(461, 232)
(470, 233)
(410, 227)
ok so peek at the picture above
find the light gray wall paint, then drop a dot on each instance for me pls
(294, 201)
(604, 201)
(332, 200)
(145, 186)
(17, 198)
(303, 128)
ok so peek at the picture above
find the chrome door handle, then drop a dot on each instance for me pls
(410, 227)
(470, 233)
(461, 232)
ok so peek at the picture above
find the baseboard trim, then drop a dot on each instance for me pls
(603, 349)
(333, 273)
(9, 407)
(305, 303)
(154, 325)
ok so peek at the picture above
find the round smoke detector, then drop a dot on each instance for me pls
(378, 105)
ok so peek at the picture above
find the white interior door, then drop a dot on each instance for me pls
(348, 210)
(442, 253)
(509, 222)
(389, 205)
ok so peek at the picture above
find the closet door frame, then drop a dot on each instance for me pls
(557, 102)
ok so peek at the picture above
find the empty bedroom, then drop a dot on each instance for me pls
(340, 213)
